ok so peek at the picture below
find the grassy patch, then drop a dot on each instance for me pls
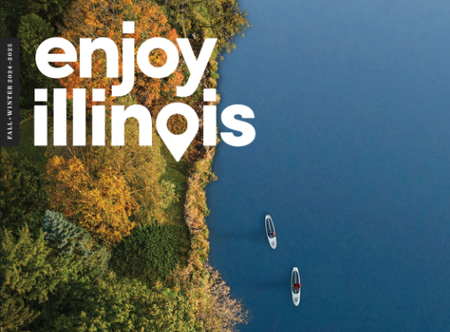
(176, 173)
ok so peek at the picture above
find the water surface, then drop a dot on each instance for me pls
(351, 159)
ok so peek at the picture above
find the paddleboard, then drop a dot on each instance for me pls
(295, 278)
(270, 229)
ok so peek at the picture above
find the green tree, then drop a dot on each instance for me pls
(23, 196)
(32, 22)
(29, 276)
(221, 19)
(4, 28)
(32, 31)
(52, 11)
(67, 239)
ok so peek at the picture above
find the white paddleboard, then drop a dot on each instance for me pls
(270, 227)
(295, 278)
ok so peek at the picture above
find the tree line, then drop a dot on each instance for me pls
(98, 238)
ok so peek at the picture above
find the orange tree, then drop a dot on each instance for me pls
(101, 18)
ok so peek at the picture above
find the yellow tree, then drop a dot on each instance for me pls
(100, 202)
(109, 189)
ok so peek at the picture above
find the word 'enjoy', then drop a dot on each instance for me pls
(177, 144)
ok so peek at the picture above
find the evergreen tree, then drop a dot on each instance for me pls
(67, 239)
(29, 276)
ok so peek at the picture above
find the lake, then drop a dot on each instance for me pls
(351, 159)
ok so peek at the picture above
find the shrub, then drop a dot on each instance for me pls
(151, 253)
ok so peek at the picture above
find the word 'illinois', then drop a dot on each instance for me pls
(177, 144)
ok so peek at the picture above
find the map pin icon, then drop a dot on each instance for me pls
(177, 144)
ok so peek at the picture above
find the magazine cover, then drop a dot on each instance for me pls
(224, 165)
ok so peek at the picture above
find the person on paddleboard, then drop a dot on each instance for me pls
(297, 286)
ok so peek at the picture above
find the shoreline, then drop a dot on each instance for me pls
(216, 307)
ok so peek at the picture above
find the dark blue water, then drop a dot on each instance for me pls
(351, 159)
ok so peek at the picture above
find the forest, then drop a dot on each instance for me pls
(112, 238)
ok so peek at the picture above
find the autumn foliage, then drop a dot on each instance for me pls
(95, 19)
(108, 190)
(100, 202)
